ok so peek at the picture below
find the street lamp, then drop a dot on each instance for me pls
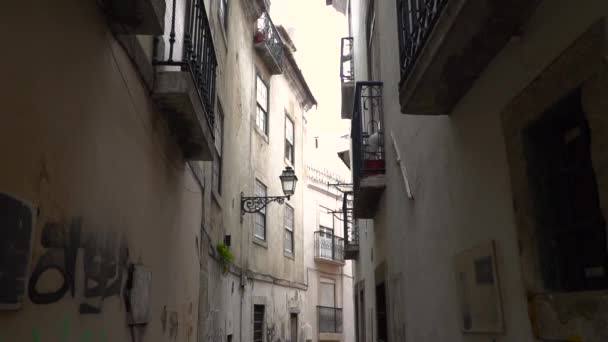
(256, 203)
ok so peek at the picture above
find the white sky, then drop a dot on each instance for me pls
(318, 29)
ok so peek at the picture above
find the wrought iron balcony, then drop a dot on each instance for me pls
(347, 65)
(185, 77)
(255, 8)
(268, 44)
(329, 248)
(445, 45)
(367, 133)
(347, 75)
(351, 230)
(329, 319)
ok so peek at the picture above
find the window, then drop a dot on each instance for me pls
(258, 323)
(289, 141)
(569, 222)
(223, 14)
(261, 118)
(260, 216)
(288, 222)
(219, 137)
(370, 23)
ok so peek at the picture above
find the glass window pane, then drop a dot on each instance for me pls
(289, 130)
(219, 129)
(262, 93)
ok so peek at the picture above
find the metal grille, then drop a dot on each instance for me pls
(190, 47)
(367, 132)
(269, 35)
(258, 323)
(347, 63)
(330, 319)
(416, 19)
(329, 246)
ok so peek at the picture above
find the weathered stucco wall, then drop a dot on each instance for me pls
(87, 150)
(459, 173)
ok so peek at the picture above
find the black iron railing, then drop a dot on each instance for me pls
(347, 64)
(189, 46)
(367, 132)
(330, 319)
(268, 34)
(416, 20)
(329, 246)
(351, 231)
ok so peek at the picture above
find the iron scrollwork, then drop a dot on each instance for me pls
(255, 204)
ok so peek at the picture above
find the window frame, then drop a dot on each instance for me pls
(292, 144)
(223, 14)
(217, 167)
(260, 324)
(289, 231)
(259, 107)
(262, 212)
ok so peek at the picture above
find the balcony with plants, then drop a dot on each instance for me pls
(269, 44)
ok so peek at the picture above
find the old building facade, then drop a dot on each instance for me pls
(130, 149)
(329, 298)
(479, 169)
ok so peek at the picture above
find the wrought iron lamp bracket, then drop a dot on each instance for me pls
(256, 204)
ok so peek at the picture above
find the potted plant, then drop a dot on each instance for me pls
(225, 256)
(259, 36)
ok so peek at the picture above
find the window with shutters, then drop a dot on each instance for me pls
(260, 216)
(289, 140)
(289, 236)
(261, 118)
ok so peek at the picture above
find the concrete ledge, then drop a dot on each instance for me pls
(178, 99)
(330, 337)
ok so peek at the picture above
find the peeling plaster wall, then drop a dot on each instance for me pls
(85, 147)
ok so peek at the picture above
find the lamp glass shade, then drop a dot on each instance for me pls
(288, 181)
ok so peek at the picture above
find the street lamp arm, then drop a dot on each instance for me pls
(255, 204)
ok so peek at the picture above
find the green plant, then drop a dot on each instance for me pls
(225, 255)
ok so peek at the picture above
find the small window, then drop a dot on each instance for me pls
(260, 216)
(223, 14)
(217, 163)
(258, 323)
(289, 140)
(289, 223)
(261, 119)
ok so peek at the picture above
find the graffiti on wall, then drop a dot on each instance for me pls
(16, 226)
(104, 267)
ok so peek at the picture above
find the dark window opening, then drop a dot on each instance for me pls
(570, 227)
(381, 314)
(258, 323)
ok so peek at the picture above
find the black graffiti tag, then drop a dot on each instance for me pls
(104, 265)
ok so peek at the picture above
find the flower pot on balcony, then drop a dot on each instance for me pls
(258, 37)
